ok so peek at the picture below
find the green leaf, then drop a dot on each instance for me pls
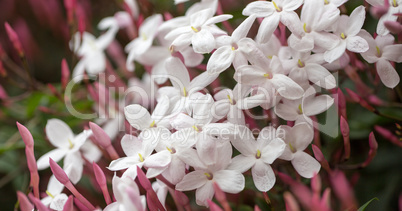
(362, 208)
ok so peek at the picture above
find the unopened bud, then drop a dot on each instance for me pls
(58, 172)
(14, 39)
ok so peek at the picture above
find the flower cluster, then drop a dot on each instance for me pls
(285, 54)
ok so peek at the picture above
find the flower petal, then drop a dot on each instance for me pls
(258, 8)
(242, 30)
(242, 163)
(203, 41)
(320, 76)
(59, 133)
(388, 75)
(204, 193)
(192, 181)
(220, 60)
(56, 155)
(357, 44)
(159, 159)
(286, 87)
(263, 176)
(138, 116)
(229, 181)
(178, 73)
(305, 165)
(356, 21)
(123, 163)
(267, 28)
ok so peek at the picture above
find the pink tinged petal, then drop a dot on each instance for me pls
(286, 87)
(203, 193)
(236, 116)
(244, 141)
(58, 202)
(229, 181)
(305, 165)
(263, 176)
(356, 21)
(303, 44)
(221, 108)
(267, 28)
(286, 112)
(207, 150)
(181, 42)
(251, 102)
(242, 163)
(192, 181)
(302, 135)
(335, 53)
(317, 105)
(154, 172)
(178, 73)
(356, 44)
(325, 40)
(239, 59)
(290, 5)
(123, 163)
(73, 166)
(138, 116)
(220, 60)
(131, 172)
(259, 8)
(56, 154)
(393, 53)
(191, 59)
(320, 76)
(190, 157)
(157, 160)
(272, 151)
(131, 145)
(250, 75)
(201, 81)
(199, 18)
(224, 155)
(59, 133)
(292, 21)
(176, 171)
(242, 30)
(218, 19)
(266, 135)
(54, 186)
(388, 75)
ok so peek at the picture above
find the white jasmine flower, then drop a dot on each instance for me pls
(297, 139)
(258, 155)
(382, 50)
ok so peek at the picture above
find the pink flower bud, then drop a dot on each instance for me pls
(38, 203)
(213, 206)
(290, 202)
(388, 135)
(58, 172)
(146, 184)
(345, 133)
(101, 179)
(316, 184)
(80, 205)
(320, 157)
(256, 208)
(221, 197)
(342, 103)
(26, 136)
(100, 135)
(393, 26)
(181, 198)
(70, 7)
(343, 190)
(65, 74)
(14, 39)
(25, 204)
(69, 206)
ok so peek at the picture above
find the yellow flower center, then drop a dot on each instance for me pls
(144, 36)
(326, 2)
(230, 99)
(378, 51)
(71, 145)
(394, 3)
(209, 176)
(300, 63)
(49, 194)
(276, 7)
(292, 148)
(305, 27)
(152, 124)
(343, 36)
(300, 109)
(258, 154)
(184, 92)
(141, 158)
(194, 29)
